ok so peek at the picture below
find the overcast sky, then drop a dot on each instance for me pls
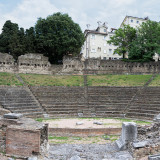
(26, 12)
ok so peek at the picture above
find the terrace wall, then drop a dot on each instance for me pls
(38, 64)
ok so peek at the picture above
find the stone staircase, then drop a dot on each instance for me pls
(146, 104)
(72, 102)
(62, 101)
(109, 101)
(20, 100)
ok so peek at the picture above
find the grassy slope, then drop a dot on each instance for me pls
(118, 80)
(9, 79)
(156, 81)
(69, 80)
(49, 80)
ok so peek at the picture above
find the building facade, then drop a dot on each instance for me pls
(96, 46)
(133, 21)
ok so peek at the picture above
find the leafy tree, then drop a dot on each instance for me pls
(58, 35)
(122, 39)
(30, 40)
(147, 42)
(12, 39)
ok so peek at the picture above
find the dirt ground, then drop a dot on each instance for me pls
(87, 123)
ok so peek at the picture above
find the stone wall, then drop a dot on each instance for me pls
(7, 63)
(72, 65)
(39, 64)
(33, 63)
(97, 66)
(23, 137)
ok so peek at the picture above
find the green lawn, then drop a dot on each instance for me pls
(52, 80)
(156, 81)
(76, 80)
(9, 79)
(118, 80)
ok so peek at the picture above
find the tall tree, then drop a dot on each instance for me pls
(122, 39)
(58, 35)
(12, 39)
(147, 42)
(30, 40)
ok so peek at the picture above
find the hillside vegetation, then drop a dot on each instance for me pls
(77, 80)
(9, 79)
(118, 80)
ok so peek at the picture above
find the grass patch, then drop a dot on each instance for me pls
(136, 121)
(9, 79)
(155, 81)
(52, 80)
(57, 138)
(118, 80)
(83, 140)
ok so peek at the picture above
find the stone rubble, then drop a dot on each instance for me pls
(87, 152)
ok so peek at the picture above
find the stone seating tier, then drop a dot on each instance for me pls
(133, 102)
(20, 100)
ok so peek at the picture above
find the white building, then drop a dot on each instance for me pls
(96, 46)
(133, 21)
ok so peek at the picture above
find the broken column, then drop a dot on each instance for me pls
(129, 134)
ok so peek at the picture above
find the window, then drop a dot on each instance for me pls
(137, 22)
(105, 51)
(99, 49)
(110, 50)
(104, 58)
(93, 36)
(131, 20)
(93, 50)
(105, 30)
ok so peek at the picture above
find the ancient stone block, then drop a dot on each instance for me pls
(13, 115)
(21, 142)
(140, 144)
(154, 157)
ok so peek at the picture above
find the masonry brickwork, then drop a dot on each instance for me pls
(38, 64)
(22, 137)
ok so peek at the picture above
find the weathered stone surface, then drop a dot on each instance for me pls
(23, 137)
(97, 122)
(13, 115)
(157, 118)
(154, 157)
(75, 158)
(140, 144)
(32, 158)
(79, 123)
(33, 63)
(88, 152)
(129, 134)
(3, 111)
